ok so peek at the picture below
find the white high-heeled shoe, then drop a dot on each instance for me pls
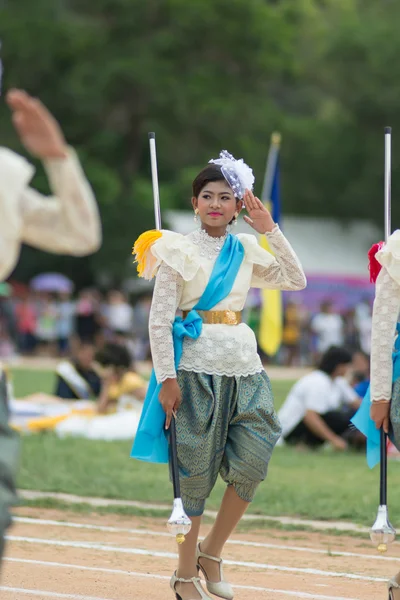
(393, 584)
(194, 580)
(222, 588)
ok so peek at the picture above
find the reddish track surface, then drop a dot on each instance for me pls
(57, 554)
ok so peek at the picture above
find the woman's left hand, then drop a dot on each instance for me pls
(380, 412)
(259, 217)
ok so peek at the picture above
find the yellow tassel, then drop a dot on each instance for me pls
(141, 250)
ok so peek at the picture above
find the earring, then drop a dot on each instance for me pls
(235, 219)
(196, 218)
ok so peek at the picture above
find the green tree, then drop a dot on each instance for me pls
(202, 76)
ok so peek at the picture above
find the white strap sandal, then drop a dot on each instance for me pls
(222, 588)
(393, 585)
(194, 580)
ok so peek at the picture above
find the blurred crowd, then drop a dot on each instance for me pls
(50, 324)
(307, 334)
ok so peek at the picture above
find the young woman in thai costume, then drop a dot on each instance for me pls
(385, 353)
(214, 382)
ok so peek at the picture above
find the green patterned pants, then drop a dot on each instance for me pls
(225, 425)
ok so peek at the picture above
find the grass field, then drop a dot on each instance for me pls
(321, 485)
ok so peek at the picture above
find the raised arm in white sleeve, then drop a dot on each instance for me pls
(285, 272)
(384, 319)
(15, 174)
(166, 297)
(67, 222)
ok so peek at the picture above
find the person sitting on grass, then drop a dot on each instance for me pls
(320, 405)
(122, 387)
(78, 379)
(361, 373)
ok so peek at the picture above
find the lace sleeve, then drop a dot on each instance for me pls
(67, 222)
(285, 272)
(166, 297)
(384, 320)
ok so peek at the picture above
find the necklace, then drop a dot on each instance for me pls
(209, 246)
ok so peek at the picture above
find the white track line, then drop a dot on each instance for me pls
(165, 578)
(73, 499)
(157, 554)
(149, 532)
(43, 594)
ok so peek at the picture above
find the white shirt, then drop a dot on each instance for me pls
(120, 317)
(318, 392)
(186, 263)
(66, 223)
(329, 329)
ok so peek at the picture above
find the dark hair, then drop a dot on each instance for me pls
(210, 173)
(325, 304)
(114, 355)
(334, 357)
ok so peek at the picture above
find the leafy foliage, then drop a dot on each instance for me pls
(206, 77)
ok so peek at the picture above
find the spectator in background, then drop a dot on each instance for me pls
(87, 317)
(119, 314)
(65, 322)
(46, 323)
(78, 379)
(361, 373)
(351, 336)
(291, 334)
(121, 384)
(141, 314)
(320, 405)
(26, 325)
(363, 320)
(328, 328)
(9, 323)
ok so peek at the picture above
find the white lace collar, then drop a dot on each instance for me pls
(209, 246)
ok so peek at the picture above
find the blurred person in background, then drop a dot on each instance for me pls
(65, 322)
(291, 334)
(119, 313)
(360, 377)
(78, 379)
(328, 328)
(66, 223)
(26, 324)
(351, 335)
(9, 324)
(363, 320)
(122, 387)
(87, 316)
(141, 312)
(320, 405)
(46, 324)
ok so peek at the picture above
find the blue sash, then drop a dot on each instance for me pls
(151, 443)
(362, 419)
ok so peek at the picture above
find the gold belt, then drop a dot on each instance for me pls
(218, 317)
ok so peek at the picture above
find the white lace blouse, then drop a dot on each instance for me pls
(66, 223)
(384, 319)
(185, 267)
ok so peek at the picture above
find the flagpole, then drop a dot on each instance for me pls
(270, 329)
(270, 168)
(382, 532)
(179, 523)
